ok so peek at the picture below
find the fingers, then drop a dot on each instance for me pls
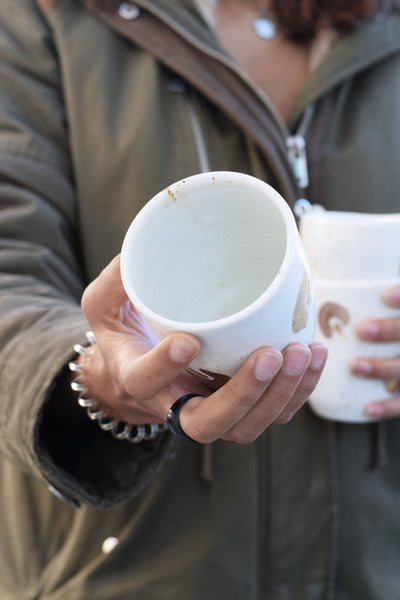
(301, 371)
(319, 355)
(139, 366)
(391, 296)
(208, 419)
(379, 330)
(296, 359)
(103, 298)
(124, 379)
(268, 385)
(386, 369)
(384, 409)
(383, 330)
(144, 375)
(376, 368)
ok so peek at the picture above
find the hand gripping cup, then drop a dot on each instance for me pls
(218, 255)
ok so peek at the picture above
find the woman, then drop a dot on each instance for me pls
(102, 105)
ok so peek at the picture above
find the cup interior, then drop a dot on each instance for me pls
(205, 248)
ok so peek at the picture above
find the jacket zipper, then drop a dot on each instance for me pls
(295, 144)
(296, 148)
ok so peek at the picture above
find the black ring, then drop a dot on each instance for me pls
(173, 416)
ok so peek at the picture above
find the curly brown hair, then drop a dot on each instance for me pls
(300, 19)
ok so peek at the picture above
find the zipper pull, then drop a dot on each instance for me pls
(297, 155)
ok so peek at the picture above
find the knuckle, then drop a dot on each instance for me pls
(203, 435)
(242, 435)
(202, 438)
(306, 389)
(128, 384)
(88, 300)
(375, 369)
(247, 402)
(391, 409)
(388, 330)
(246, 398)
(284, 418)
(85, 300)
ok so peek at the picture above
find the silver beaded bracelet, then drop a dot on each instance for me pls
(118, 429)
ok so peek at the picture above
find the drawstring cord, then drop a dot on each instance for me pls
(206, 468)
(379, 456)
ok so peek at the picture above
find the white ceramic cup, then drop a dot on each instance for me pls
(218, 255)
(353, 258)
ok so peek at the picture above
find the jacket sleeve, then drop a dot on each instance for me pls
(42, 279)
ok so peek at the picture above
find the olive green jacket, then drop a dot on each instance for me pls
(97, 114)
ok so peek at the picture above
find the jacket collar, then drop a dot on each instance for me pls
(175, 35)
(351, 54)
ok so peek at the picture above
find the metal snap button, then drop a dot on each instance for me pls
(128, 11)
(109, 544)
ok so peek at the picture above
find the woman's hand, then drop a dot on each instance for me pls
(388, 369)
(136, 379)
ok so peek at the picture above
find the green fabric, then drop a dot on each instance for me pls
(90, 129)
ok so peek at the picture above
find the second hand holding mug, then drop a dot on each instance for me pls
(218, 255)
(353, 258)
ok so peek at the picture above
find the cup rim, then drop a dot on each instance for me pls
(216, 176)
(353, 283)
(343, 217)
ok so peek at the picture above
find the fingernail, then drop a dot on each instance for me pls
(266, 365)
(368, 329)
(295, 359)
(181, 350)
(392, 295)
(318, 356)
(374, 410)
(360, 366)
